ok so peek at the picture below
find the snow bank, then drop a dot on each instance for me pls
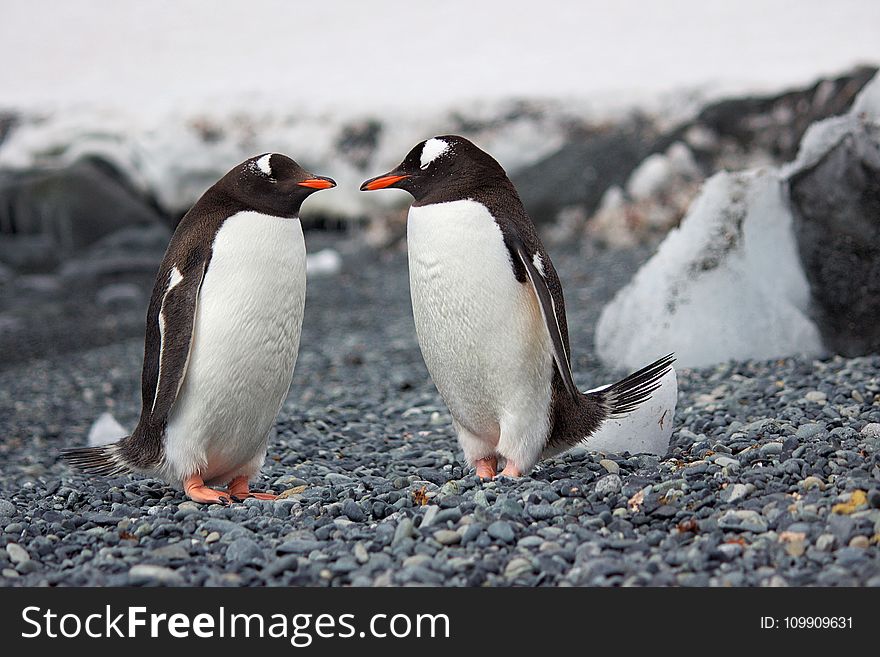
(176, 156)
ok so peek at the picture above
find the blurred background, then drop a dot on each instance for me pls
(115, 117)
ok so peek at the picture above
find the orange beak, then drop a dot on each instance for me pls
(381, 182)
(318, 182)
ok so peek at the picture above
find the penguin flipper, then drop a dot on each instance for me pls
(548, 311)
(176, 320)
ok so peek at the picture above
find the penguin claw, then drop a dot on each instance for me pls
(197, 491)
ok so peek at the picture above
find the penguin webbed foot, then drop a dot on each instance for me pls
(486, 467)
(197, 491)
(239, 490)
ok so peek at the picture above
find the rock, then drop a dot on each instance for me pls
(403, 530)
(353, 511)
(743, 520)
(7, 508)
(816, 397)
(501, 531)
(859, 542)
(834, 202)
(736, 492)
(608, 485)
(17, 554)
(579, 173)
(149, 574)
(447, 537)
(68, 209)
(871, 430)
(244, 550)
(825, 542)
(812, 482)
(172, 552)
(516, 567)
(810, 430)
(610, 466)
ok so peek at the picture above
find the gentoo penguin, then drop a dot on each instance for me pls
(222, 336)
(490, 320)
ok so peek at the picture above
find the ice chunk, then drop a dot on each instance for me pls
(727, 284)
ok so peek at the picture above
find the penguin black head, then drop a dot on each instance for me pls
(449, 163)
(273, 184)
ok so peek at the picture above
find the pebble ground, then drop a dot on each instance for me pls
(771, 478)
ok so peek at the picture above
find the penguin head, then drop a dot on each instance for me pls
(447, 162)
(273, 184)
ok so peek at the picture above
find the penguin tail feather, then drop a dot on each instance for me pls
(621, 398)
(106, 460)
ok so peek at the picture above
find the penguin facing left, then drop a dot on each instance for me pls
(222, 336)
(490, 320)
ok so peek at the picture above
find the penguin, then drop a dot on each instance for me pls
(490, 321)
(222, 335)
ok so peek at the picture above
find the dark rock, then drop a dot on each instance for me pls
(47, 216)
(579, 173)
(836, 208)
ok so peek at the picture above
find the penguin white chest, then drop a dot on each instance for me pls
(244, 348)
(480, 330)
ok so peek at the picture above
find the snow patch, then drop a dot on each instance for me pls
(727, 284)
(105, 430)
(326, 262)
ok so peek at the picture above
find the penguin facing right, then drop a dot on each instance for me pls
(222, 335)
(490, 320)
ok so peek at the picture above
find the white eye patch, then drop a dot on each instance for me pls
(264, 165)
(432, 149)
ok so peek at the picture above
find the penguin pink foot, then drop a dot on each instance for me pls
(196, 490)
(510, 470)
(239, 489)
(487, 467)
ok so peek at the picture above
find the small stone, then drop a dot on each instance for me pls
(809, 430)
(9, 572)
(501, 531)
(825, 542)
(213, 537)
(610, 466)
(871, 430)
(736, 492)
(727, 462)
(859, 542)
(812, 482)
(431, 512)
(244, 550)
(447, 537)
(403, 530)
(743, 520)
(149, 574)
(7, 508)
(360, 553)
(608, 485)
(353, 511)
(517, 567)
(17, 554)
(874, 498)
(816, 397)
